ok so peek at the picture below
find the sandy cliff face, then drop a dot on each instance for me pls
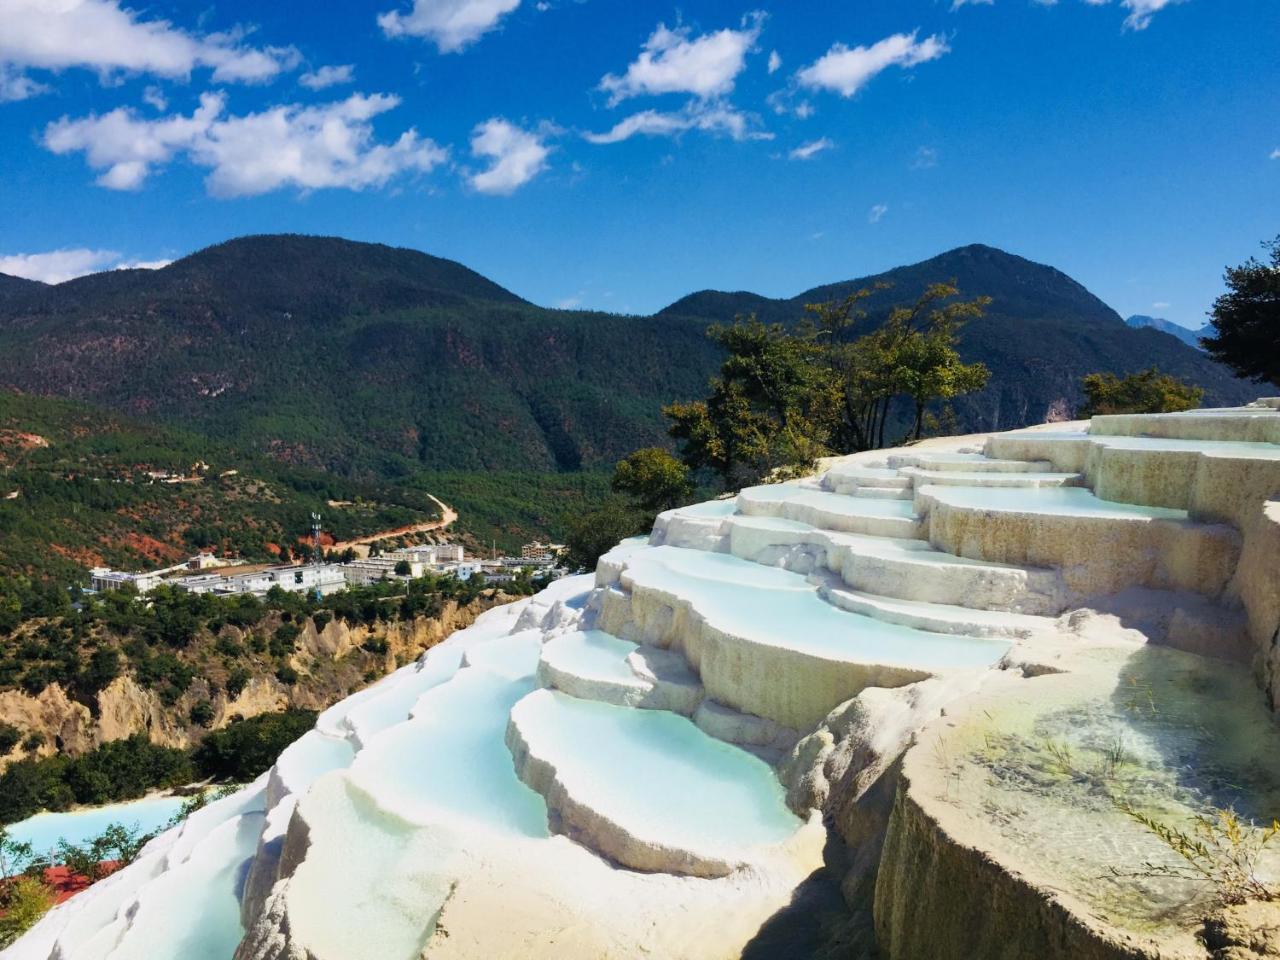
(324, 660)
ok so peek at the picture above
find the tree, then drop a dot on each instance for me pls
(403, 569)
(598, 531)
(102, 668)
(245, 748)
(202, 713)
(770, 408)
(23, 901)
(786, 396)
(1148, 391)
(654, 479)
(1246, 320)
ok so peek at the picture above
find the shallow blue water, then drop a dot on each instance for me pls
(44, 830)
(776, 607)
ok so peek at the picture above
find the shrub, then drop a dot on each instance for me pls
(237, 680)
(202, 713)
(1219, 849)
(23, 901)
(102, 668)
(228, 647)
(245, 748)
(1148, 391)
(284, 639)
(286, 674)
(10, 736)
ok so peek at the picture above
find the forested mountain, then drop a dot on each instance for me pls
(380, 362)
(1190, 337)
(1041, 334)
(14, 288)
(358, 357)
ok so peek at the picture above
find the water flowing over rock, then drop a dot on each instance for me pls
(928, 701)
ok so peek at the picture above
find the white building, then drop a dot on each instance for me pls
(104, 579)
(429, 554)
(322, 578)
(374, 569)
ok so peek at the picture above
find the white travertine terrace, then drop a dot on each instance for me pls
(957, 660)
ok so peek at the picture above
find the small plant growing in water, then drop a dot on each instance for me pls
(1220, 849)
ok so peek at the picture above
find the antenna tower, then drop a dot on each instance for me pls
(316, 555)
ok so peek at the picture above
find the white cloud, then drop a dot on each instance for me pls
(58, 266)
(323, 77)
(103, 36)
(1141, 12)
(775, 62)
(16, 85)
(925, 158)
(153, 96)
(847, 70)
(314, 147)
(807, 151)
(1275, 154)
(876, 213)
(1161, 305)
(957, 4)
(714, 118)
(142, 264)
(517, 156)
(450, 24)
(674, 61)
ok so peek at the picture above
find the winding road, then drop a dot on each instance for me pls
(361, 544)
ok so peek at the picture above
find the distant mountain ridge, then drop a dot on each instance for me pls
(1020, 286)
(1042, 332)
(1188, 336)
(377, 361)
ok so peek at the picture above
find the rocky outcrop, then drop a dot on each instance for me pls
(124, 708)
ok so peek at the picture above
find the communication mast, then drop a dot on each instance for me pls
(316, 555)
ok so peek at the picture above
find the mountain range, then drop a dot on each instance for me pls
(380, 362)
(1188, 336)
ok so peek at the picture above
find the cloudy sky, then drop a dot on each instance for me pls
(617, 155)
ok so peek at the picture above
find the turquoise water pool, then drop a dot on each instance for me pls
(44, 830)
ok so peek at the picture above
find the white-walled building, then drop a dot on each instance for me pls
(322, 578)
(429, 554)
(374, 569)
(104, 579)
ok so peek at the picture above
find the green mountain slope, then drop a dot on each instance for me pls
(76, 490)
(380, 363)
(355, 357)
(1041, 334)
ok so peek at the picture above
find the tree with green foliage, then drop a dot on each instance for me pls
(1148, 391)
(598, 531)
(788, 395)
(102, 668)
(1246, 319)
(23, 901)
(243, 749)
(771, 406)
(202, 713)
(116, 844)
(654, 479)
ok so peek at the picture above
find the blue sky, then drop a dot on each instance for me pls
(619, 155)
